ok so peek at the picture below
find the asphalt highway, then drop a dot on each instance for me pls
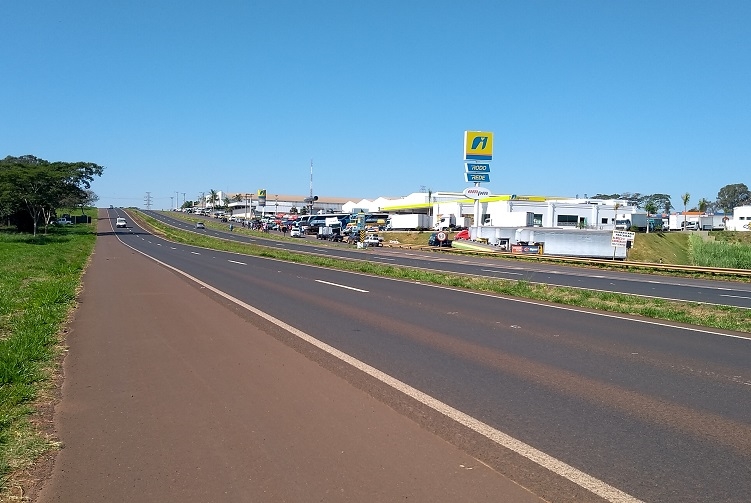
(573, 405)
(717, 292)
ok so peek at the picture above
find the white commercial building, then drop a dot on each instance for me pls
(741, 220)
(497, 210)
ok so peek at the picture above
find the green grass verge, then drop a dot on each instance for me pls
(713, 253)
(728, 318)
(39, 280)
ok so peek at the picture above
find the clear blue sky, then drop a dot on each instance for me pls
(583, 97)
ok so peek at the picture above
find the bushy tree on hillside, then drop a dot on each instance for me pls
(31, 189)
(733, 195)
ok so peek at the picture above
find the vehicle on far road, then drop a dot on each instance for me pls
(295, 232)
(63, 221)
(121, 222)
(200, 225)
(373, 240)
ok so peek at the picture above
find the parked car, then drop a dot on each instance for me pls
(690, 225)
(373, 240)
(434, 241)
(462, 234)
(200, 225)
(121, 222)
(295, 232)
(63, 221)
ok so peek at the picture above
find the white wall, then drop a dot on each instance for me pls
(741, 220)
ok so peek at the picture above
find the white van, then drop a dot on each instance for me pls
(690, 225)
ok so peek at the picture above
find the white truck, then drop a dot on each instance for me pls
(625, 221)
(411, 221)
(450, 222)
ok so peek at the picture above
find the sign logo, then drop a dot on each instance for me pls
(477, 177)
(478, 146)
(261, 197)
(476, 192)
(476, 168)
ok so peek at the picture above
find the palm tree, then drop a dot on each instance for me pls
(213, 197)
(650, 208)
(615, 208)
(685, 197)
(703, 204)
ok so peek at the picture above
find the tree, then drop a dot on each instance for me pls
(39, 187)
(650, 207)
(213, 197)
(685, 198)
(606, 196)
(703, 205)
(293, 210)
(667, 206)
(731, 196)
(660, 201)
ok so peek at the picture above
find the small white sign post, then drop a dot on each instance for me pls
(621, 238)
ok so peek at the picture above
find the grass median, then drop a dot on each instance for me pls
(39, 280)
(693, 313)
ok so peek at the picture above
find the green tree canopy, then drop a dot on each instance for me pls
(39, 187)
(660, 201)
(733, 195)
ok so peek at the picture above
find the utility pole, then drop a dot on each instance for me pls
(147, 200)
(310, 212)
(171, 199)
(183, 198)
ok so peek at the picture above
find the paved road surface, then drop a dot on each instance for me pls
(171, 395)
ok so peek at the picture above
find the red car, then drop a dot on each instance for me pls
(462, 234)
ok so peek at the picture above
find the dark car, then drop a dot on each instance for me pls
(434, 241)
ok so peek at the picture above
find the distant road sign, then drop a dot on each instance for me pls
(476, 168)
(477, 177)
(478, 146)
(441, 236)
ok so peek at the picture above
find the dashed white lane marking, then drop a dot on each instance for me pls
(341, 286)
